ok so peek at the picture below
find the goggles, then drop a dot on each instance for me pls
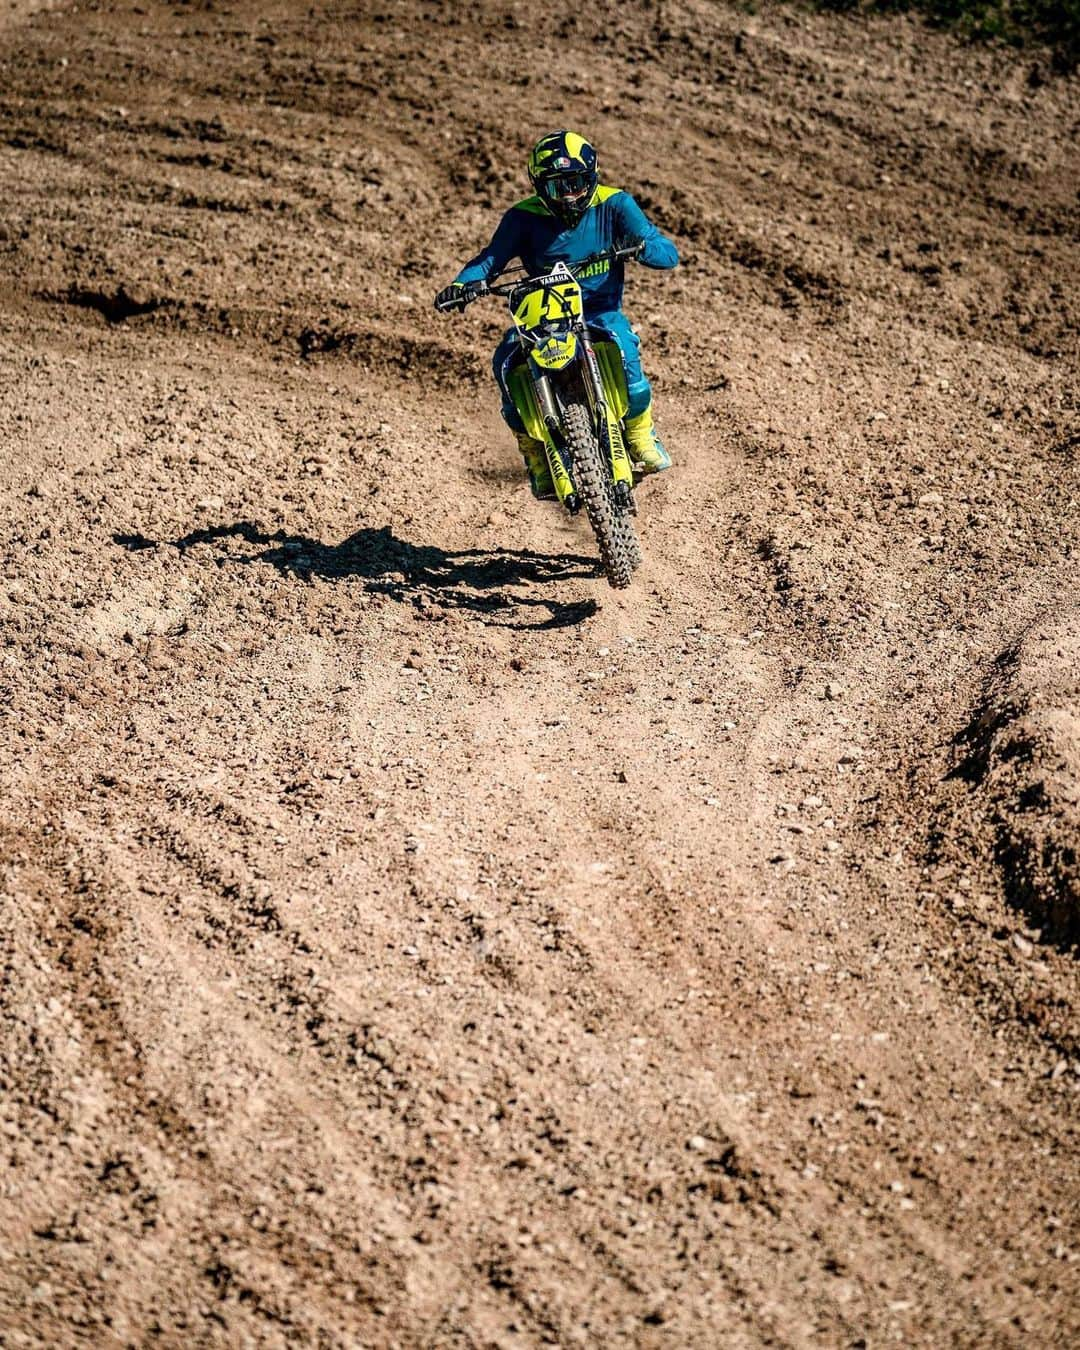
(565, 187)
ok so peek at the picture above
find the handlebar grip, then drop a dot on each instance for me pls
(608, 255)
(473, 291)
(460, 294)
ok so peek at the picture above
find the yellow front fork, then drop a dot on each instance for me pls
(620, 460)
(616, 401)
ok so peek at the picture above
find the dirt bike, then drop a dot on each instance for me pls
(569, 387)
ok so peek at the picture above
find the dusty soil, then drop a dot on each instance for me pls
(408, 940)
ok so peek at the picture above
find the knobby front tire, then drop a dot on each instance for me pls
(619, 552)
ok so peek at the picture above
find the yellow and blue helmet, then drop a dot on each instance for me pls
(562, 170)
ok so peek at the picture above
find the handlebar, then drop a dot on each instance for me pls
(481, 288)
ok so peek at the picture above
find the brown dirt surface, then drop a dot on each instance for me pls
(410, 941)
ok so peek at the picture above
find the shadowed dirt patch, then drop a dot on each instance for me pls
(1023, 759)
(487, 581)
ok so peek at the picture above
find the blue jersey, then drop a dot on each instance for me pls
(530, 232)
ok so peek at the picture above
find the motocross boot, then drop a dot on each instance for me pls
(536, 462)
(646, 453)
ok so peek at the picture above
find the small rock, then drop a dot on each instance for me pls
(697, 1143)
(812, 802)
(834, 692)
(1022, 945)
(931, 499)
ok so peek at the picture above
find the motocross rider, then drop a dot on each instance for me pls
(570, 217)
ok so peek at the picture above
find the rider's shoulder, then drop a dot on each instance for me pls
(535, 206)
(532, 206)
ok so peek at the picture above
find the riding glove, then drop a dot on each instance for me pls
(458, 294)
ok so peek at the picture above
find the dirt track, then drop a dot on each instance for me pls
(408, 940)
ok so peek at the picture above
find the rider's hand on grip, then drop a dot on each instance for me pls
(458, 294)
(451, 297)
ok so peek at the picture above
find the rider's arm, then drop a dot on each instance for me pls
(658, 250)
(505, 244)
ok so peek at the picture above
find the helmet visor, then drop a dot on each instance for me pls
(566, 189)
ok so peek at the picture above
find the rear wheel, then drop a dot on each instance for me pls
(619, 550)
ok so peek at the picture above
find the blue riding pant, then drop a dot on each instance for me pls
(617, 326)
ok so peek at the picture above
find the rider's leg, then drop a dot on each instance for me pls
(532, 450)
(646, 452)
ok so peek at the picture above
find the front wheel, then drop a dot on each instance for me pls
(619, 550)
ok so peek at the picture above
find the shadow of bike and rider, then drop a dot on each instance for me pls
(498, 584)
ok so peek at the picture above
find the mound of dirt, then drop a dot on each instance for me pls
(1024, 756)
